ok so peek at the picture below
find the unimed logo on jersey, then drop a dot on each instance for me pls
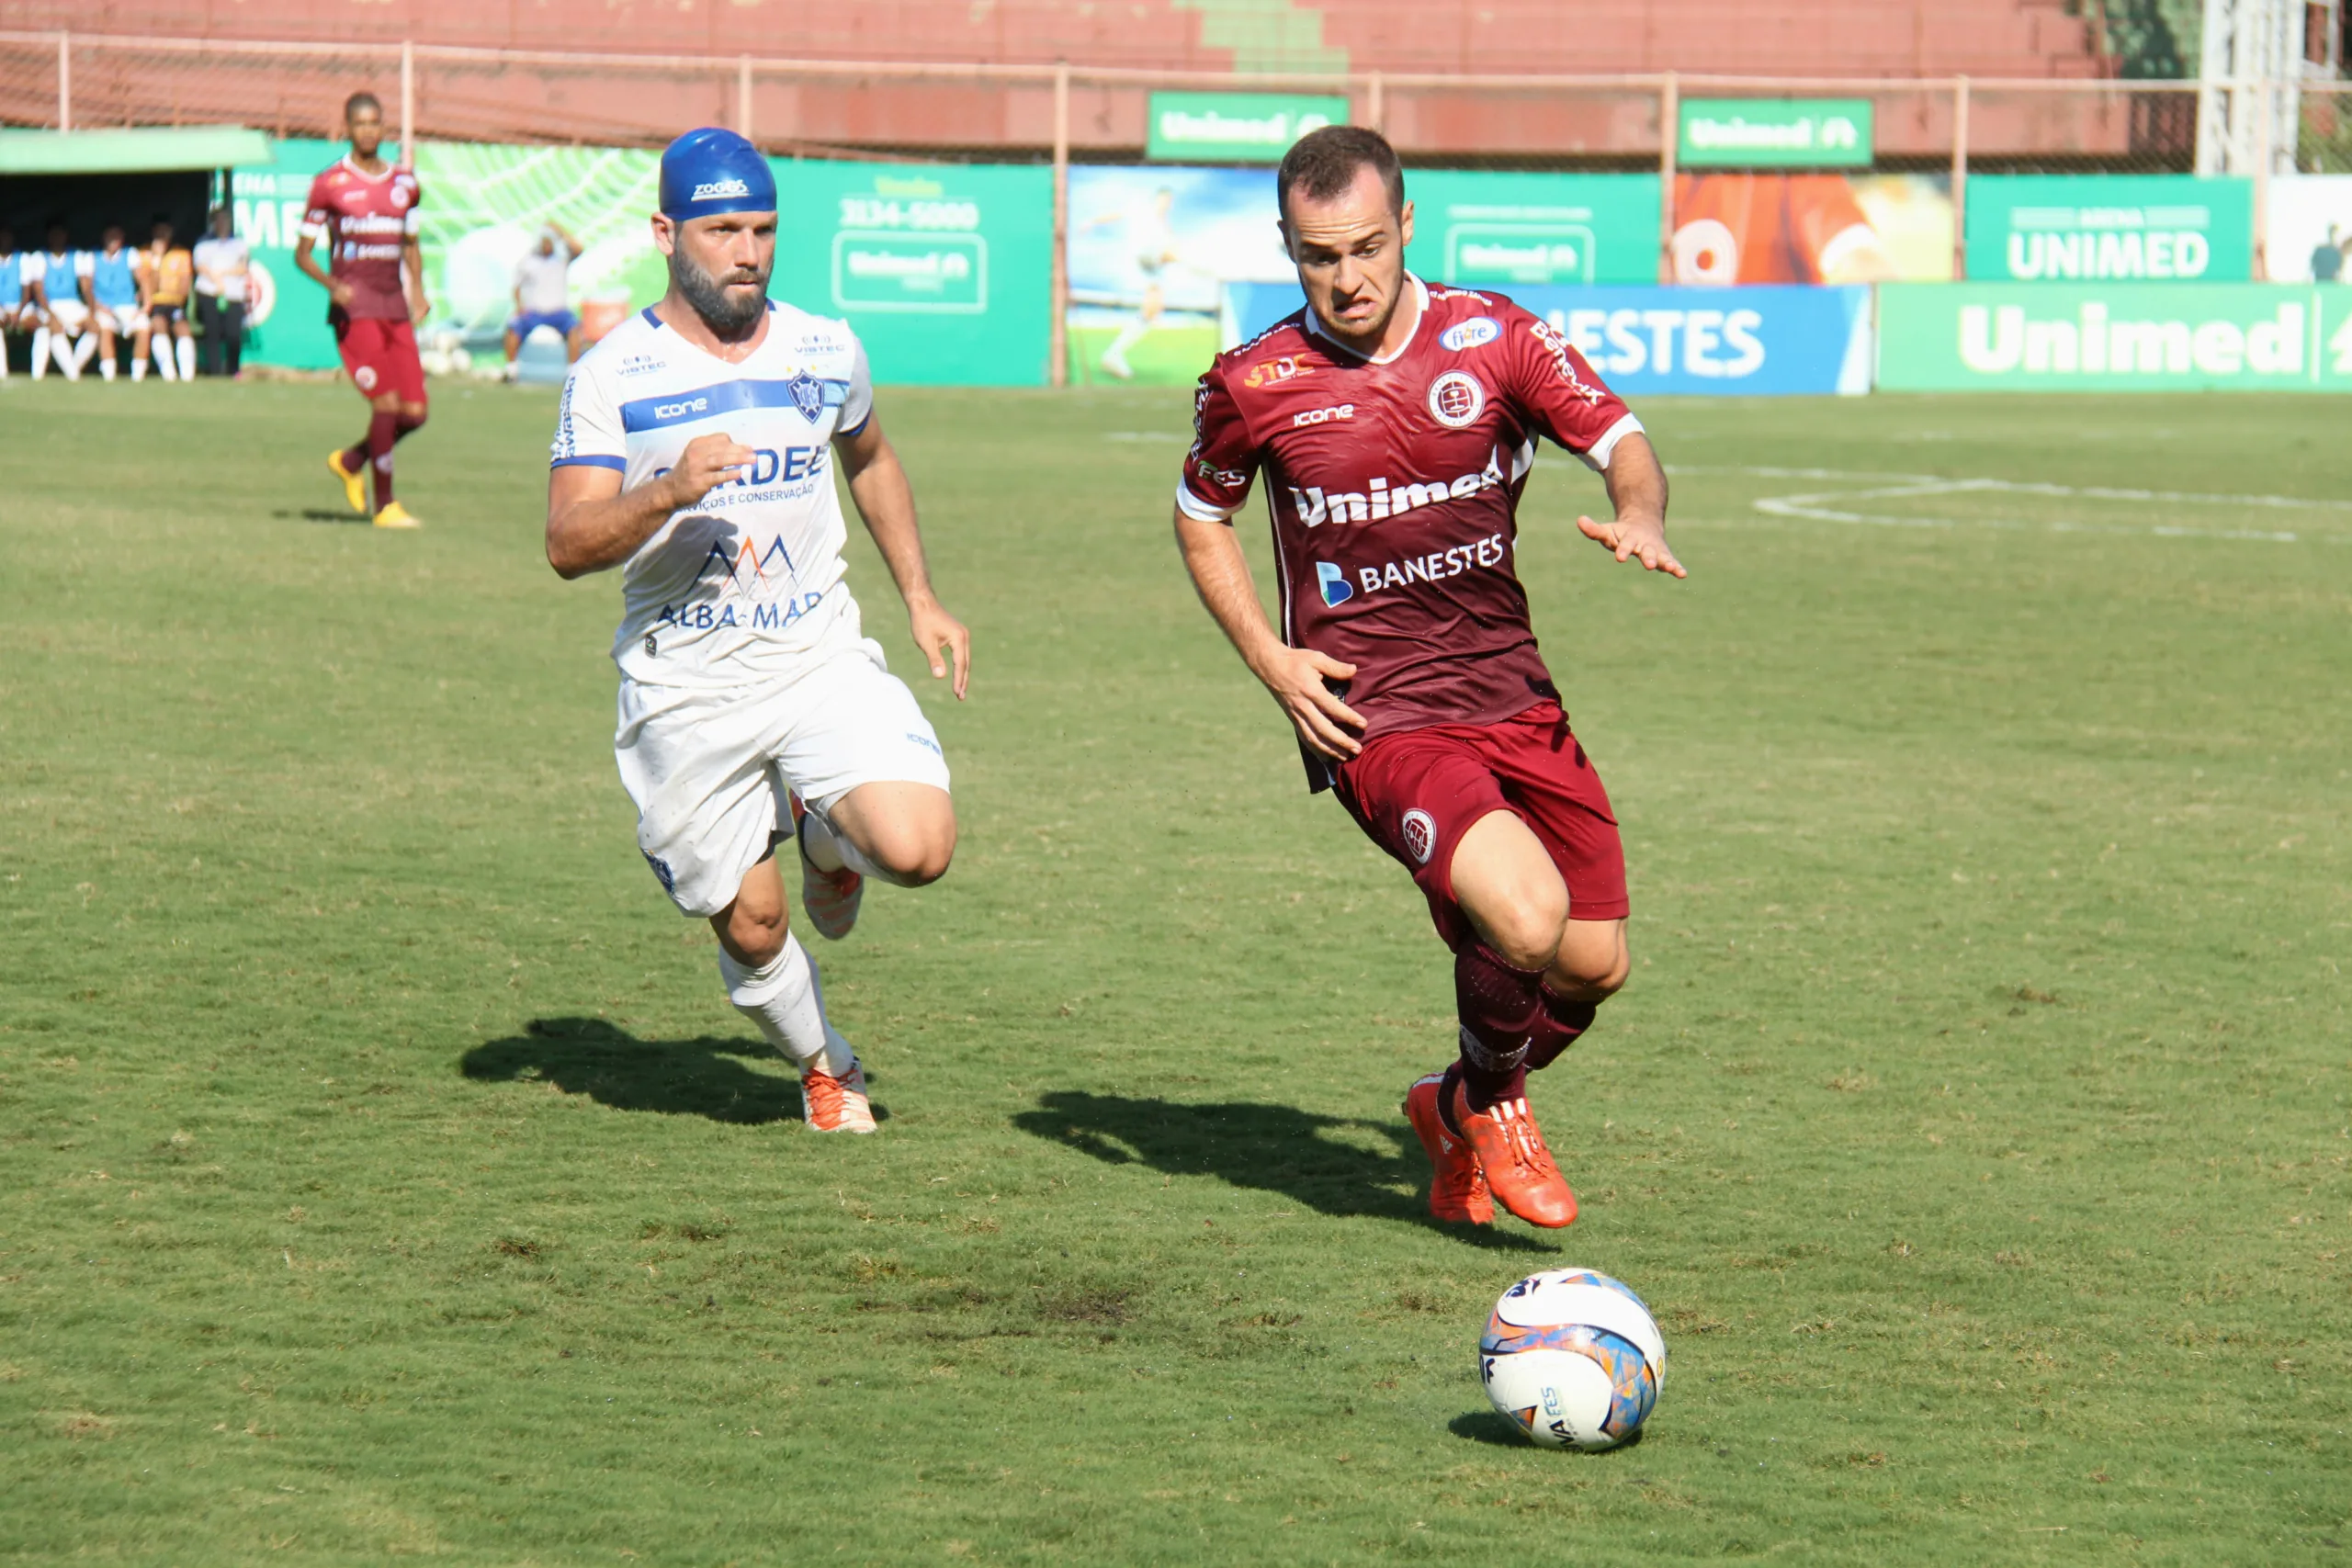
(1380, 500)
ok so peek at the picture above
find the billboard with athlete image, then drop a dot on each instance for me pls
(1152, 253)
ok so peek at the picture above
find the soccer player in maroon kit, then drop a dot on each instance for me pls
(1395, 422)
(366, 210)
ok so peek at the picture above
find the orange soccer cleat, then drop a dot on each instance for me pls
(1518, 1168)
(1457, 1185)
(836, 1104)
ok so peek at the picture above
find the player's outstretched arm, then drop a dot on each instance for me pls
(1295, 675)
(877, 482)
(594, 523)
(1636, 481)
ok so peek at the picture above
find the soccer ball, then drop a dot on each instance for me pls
(1573, 1360)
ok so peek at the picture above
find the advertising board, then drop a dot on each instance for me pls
(2114, 337)
(1234, 127)
(945, 270)
(1766, 340)
(2092, 227)
(1775, 134)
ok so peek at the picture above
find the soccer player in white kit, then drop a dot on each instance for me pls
(694, 448)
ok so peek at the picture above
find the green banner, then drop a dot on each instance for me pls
(2078, 227)
(286, 319)
(2113, 337)
(893, 248)
(1501, 230)
(1235, 128)
(945, 270)
(1775, 134)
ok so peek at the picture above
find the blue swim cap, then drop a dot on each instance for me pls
(710, 171)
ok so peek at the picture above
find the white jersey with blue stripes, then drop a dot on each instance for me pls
(737, 587)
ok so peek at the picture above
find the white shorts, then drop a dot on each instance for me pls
(69, 316)
(123, 320)
(708, 769)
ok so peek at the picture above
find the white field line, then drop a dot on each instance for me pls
(1834, 506)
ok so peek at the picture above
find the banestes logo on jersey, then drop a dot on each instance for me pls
(1380, 500)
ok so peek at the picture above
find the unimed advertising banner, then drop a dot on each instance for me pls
(2114, 337)
(1511, 230)
(2080, 228)
(945, 270)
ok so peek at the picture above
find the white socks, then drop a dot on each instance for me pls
(788, 1004)
(40, 351)
(830, 851)
(184, 348)
(138, 367)
(106, 369)
(83, 347)
(163, 352)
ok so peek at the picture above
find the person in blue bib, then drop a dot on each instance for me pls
(17, 316)
(119, 311)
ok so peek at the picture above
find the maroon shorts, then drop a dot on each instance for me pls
(1415, 793)
(381, 354)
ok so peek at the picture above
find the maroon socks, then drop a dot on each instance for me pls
(1511, 1025)
(384, 431)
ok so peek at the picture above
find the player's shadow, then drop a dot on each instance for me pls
(320, 514)
(1319, 1161)
(703, 1076)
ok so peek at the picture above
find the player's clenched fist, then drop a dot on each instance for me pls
(707, 462)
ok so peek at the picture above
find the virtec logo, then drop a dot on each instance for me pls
(1268, 371)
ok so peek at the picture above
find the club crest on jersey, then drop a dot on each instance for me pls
(1333, 580)
(807, 395)
(1269, 372)
(1456, 399)
(1419, 833)
(1475, 333)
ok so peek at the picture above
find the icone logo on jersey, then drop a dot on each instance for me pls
(672, 411)
(1457, 399)
(1267, 372)
(1322, 416)
(1473, 333)
(1380, 500)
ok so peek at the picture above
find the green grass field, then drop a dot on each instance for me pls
(383, 1173)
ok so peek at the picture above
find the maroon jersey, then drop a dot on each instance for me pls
(1394, 486)
(363, 219)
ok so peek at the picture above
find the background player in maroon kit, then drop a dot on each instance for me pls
(1395, 422)
(366, 210)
